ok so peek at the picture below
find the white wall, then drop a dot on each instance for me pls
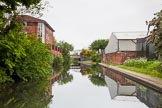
(112, 45)
(112, 86)
(126, 90)
(127, 45)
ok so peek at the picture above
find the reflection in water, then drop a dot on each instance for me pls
(66, 77)
(121, 88)
(96, 77)
(82, 92)
(25, 95)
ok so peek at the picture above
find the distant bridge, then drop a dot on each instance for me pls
(75, 56)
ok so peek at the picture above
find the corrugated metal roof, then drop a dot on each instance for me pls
(129, 35)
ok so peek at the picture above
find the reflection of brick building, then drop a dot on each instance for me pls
(120, 88)
(41, 29)
(118, 78)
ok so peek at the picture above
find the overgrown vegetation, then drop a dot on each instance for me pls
(95, 57)
(90, 55)
(142, 65)
(22, 56)
(155, 35)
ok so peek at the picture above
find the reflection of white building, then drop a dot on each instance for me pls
(121, 92)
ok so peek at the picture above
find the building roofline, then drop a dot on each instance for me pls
(29, 18)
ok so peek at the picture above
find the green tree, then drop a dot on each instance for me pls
(99, 45)
(66, 48)
(155, 35)
(95, 57)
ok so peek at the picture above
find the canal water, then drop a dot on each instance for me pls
(97, 87)
(80, 87)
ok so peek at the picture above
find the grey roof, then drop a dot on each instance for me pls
(129, 35)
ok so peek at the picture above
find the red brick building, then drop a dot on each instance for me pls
(41, 29)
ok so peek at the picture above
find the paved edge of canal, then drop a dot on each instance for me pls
(151, 82)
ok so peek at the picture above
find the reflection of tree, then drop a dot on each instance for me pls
(65, 75)
(58, 69)
(94, 75)
(65, 78)
(25, 95)
(97, 80)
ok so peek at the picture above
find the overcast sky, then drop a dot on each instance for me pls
(80, 22)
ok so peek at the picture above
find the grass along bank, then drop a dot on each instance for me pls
(142, 65)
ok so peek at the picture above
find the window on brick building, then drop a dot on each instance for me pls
(25, 23)
(40, 30)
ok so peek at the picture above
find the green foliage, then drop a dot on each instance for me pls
(66, 48)
(98, 45)
(139, 62)
(58, 61)
(94, 74)
(155, 36)
(86, 52)
(144, 64)
(22, 57)
(96, 80)
(58, 64)
(65, 75)
(95, 57)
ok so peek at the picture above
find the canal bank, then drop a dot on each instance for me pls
(151, 82)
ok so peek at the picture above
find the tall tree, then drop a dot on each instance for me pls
(99, 45)
(155, 35)
(66, 48)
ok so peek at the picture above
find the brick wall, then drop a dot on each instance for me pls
(31, 28)
(120, 57)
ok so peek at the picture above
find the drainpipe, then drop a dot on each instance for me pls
(118, 46)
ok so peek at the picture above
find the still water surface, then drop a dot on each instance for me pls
(87, 90)
(85, 87)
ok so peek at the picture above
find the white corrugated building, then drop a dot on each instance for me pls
(122, 46)
(123, 41)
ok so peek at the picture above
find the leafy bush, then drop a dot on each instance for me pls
(23, 57)
(139, 62)
(95, 57)
(143, 63)
(58, 60)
